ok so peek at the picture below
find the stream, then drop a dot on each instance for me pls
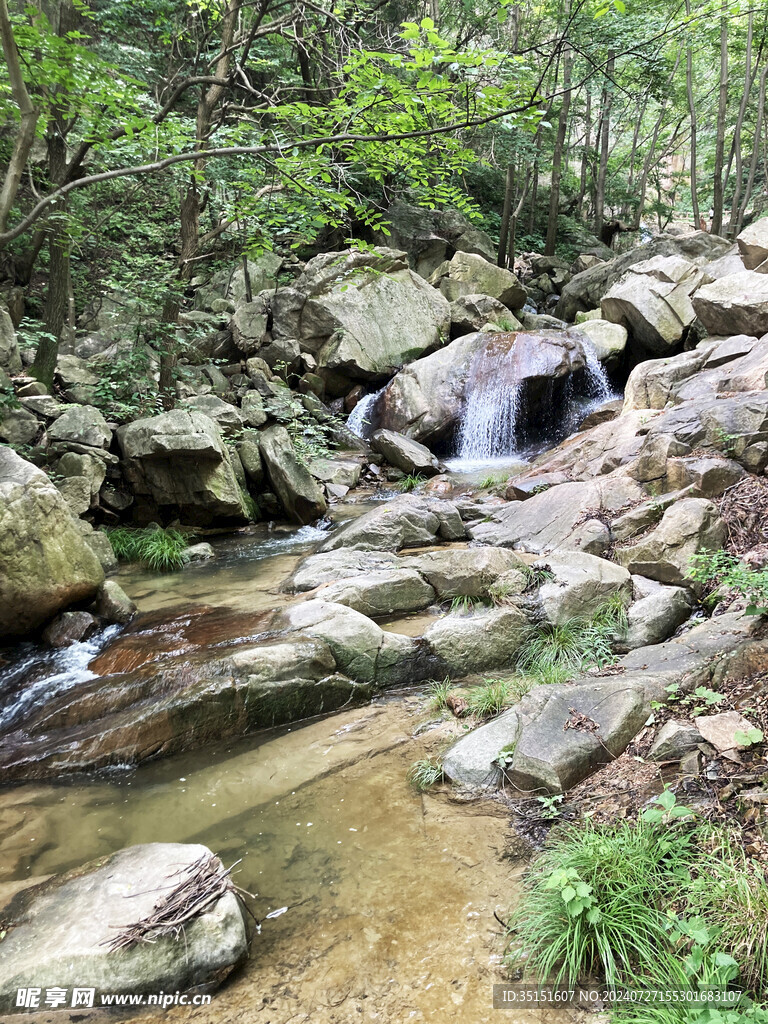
(384, 899)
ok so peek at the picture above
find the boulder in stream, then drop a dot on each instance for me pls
(59, 933)
(299, 493)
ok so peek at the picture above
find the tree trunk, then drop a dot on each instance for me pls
(694, 124)
(605, 139)
(748, 79)
(534, 185)
(759, 117)
(557, 156)
(585, 156)
(506, 213)
(28, 114)
(722, 106)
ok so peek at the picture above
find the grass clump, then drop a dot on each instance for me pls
(437, 694)
(493, 480)
(555, 651)
(157, 549)
(465, 603)
(425, 773)
(491, 698)
(411, 482)
(721, 573)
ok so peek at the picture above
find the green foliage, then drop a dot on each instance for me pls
(156, 549)
(8, 399)
(127, 388)
(425, 773)
(465, 604)
(311, 439)
(493, 480)
(552, 650)
(437, 693)
(411, 482)
(725, 572)
(664, 809)
(536, 575)
(491, 698)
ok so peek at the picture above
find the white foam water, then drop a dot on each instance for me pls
(358, 419)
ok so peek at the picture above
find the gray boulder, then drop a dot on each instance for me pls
(463, 572)
(10, 360)
(61, 930)
(608, 339)
(656, 613)
(404, 453)
(482, 642)
(179, 460)
(581, 584)
(470, 274)
(688, 526)
(83, 424)
(753, 246)
(230, 284)
(249, 326)
(653, 301)
(18, 426)
(299, 494)
(674, 741)
(432, 236)
(470, 313)
(228, 417)
(45, 565)
(384, 592)
(734, 304)
(345, 563)
(405, 522)
(113, 604)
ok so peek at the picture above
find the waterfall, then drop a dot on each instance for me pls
(489, 427)
(598, 387)
(357, 421)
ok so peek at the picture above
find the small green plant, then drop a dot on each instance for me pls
(492, 481)
(8, 399)
(490, 699)
(425, 773)
(550, 806)
(127, 388)
(664, 808)
(502, 591)
(724, 572)
(551, 650)
(506, 756)
(411, 482)
(748, 737)
(156, 549)
(536, 575)
(437, 694)
(311, 438)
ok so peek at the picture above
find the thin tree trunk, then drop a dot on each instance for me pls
(29, 115)
(506, 213)
(694, 124)
(513, 223)
(722, 106)
(759, 116)
(748, 79)
(535, 185)
(585, 156)
(648, 162)
(605, 139)
(557, 156)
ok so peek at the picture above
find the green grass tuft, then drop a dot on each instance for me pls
(156, 549)
(425, 773)
(411, 482)
(491, 698)
(438, 694)
(558, 651)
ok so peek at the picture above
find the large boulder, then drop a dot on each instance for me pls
(299, 493)
(383, 592)
(408, 521)
(469, 274)
(228, 417)
(361, 314)
(586, 290)
(60, 933)
(229, 286)
(734, 304)
(580, 584)
(608, 339)
(653, 301)
(83, 424)
(179, 460)
(432, 236)
(656, 612)
(342, 564)
(427, 399)
(405, 453)
(753, 246)
(470, 313)
(10, 360)
(687, 527)
(481, 642)
(463, 572)
(45, 564)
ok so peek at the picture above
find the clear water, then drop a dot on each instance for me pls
(358, 418)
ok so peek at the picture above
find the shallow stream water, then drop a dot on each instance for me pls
(390, 895)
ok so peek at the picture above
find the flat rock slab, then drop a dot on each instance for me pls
(61, 929)
(720, 730)
(346, 563)
(385, 592)
(405, 522)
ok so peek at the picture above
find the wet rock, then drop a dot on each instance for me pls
(83, 424)
(734, 304)
(581, 584)
(299, 493)
(674, 741)
(404, 453)
(653, 301)
(382, 592)
(472, 760)
(228, 417)
(199, 552)
(405, 522)
(10, 360)
(180, 461)
(753, 246)
(113, 604)
(605, 413)
(656, 613)
(463, 572)
(559, 517)
(687, 527)
(480, 642)
(70, 627)
(45, 564)
(427, 399)
(470, 274)
(61, 930)
(345, 563)
(340, 309)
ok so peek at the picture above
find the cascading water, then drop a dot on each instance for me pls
(490, 424)
(358, 418)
